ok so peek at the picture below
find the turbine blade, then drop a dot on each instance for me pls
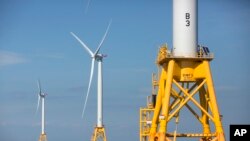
(83, 44)
(90, 81)
(38, 103)
(87, 7)
(103, 38)
(39, 86)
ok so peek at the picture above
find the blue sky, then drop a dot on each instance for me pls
(35, 43)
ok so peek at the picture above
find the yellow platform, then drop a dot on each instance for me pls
(99, 134)
(183, 81)
(43, 137)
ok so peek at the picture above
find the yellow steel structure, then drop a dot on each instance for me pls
(183, 82)
(99, 134)
(43, 137)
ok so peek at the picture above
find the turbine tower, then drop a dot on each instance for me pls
(99, 132)
(41, 97)
(185, 85)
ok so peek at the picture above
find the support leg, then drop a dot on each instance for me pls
(158, 105)
(204, 118)
(214, 106)
(165, 103)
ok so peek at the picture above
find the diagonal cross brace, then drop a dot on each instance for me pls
(190, 97)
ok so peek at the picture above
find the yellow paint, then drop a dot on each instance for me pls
(145, 118)
(182, 80)
(43, 137)
(99, 134)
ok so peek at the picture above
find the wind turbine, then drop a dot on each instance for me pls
(96, 56)
(41, 97)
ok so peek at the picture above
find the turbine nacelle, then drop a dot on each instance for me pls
(42, 95)
(99, 57)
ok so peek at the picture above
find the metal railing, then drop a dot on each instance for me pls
(198, 55)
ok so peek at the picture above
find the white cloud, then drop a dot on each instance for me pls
(11, 58)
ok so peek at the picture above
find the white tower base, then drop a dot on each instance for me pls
(99, 94)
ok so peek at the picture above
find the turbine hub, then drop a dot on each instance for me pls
(42, 95)
(99, 57)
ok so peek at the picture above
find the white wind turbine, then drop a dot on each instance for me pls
(41, 97)
(96, 56)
